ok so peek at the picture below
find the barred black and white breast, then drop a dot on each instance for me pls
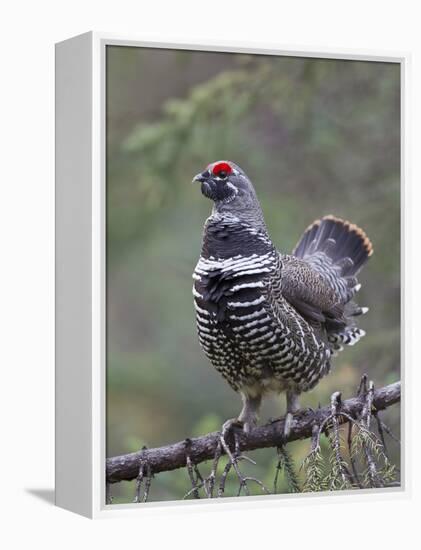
(269, 321)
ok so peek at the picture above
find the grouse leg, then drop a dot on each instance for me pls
(293, 406)
(247, 419)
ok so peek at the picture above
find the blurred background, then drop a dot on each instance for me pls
(315, 137)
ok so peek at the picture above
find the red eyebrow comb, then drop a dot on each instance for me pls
(221, 167)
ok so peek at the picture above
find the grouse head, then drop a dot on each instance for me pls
(231, 190)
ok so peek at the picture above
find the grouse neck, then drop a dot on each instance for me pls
(249, 213)
(227, 236)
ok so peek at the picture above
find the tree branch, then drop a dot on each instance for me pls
(171, 457)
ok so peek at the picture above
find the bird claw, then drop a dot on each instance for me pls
(232, 424)
(288, 423)
(289, 420)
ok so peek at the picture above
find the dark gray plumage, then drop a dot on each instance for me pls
(270, 321)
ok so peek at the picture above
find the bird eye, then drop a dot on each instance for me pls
(221, 169)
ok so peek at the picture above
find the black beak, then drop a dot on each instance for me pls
(200, 177)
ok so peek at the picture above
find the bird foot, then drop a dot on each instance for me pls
(288, 420)
(245, 423)
(299, 412)
(232, 424)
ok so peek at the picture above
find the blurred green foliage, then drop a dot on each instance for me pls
(316, 136)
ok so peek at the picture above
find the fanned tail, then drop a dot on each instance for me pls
(338, 250)
(346, 244)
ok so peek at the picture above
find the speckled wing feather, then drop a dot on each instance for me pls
(310, 292)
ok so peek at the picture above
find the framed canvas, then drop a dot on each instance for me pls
(280, 375)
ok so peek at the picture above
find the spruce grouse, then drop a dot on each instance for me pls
(271, 322)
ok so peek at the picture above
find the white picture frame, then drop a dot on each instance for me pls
(80, 274)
